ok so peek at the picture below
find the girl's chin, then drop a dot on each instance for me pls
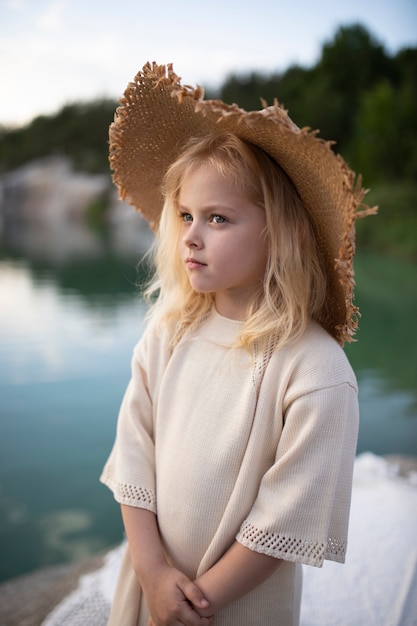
(198, 288)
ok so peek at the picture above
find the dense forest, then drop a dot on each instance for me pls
(356, 94)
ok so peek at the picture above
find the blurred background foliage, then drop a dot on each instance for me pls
(356, 94)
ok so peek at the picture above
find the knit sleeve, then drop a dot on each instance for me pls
(130, 469)
(301, 511)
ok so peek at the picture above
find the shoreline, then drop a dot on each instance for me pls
(26, 600)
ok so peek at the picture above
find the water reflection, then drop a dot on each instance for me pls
(54, 328)
(66, 336)
(388, 417)
(385, 356)
(387, 341)
(68, 324)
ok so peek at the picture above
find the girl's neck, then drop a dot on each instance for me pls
(234, 309)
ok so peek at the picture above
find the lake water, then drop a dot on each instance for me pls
(67, 329)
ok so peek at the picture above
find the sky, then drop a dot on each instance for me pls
(54, 52)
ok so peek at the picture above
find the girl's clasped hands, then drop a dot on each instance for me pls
(173, 599)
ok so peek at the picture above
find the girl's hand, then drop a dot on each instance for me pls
(173, 599)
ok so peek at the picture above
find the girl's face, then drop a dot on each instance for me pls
(223, 243)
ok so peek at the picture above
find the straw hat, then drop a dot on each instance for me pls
(157, 115)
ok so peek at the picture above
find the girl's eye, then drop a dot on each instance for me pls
(186, 217)
(218, 219)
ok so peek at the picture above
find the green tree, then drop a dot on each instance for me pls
(246, 90)
(351, 63)
(383, 145)
(78, 130)
(376, 146)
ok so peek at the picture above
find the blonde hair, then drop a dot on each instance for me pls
(294, 286)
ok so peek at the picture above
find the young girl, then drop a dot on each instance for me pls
(237, 434)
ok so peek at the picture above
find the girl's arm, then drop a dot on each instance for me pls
(170, 595)
(237, 572)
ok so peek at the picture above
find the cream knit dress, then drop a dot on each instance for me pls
(223, 446)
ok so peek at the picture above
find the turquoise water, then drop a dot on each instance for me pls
(67, 331)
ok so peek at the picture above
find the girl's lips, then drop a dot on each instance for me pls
(193, 263)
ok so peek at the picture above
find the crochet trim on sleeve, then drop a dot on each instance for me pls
(291, 548)
(132, 495)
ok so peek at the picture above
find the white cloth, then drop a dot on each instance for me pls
(377, 586)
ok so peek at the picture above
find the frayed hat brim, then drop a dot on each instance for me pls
(157, 115)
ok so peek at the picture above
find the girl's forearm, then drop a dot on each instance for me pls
(237, 572)
(143, 537)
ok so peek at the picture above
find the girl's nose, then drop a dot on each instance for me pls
(192, 237)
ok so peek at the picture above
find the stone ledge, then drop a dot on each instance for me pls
(27, 600)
